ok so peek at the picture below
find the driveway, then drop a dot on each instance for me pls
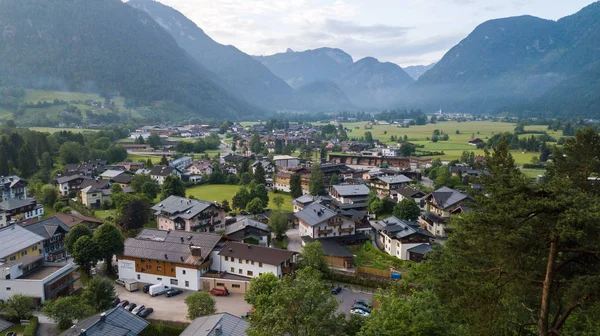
(175, 309)
(347, 297)
(294, 242)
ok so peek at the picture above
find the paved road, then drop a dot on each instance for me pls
(175, 309)
(294, 242)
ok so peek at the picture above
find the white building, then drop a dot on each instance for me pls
(159, 173)
(402, 239)
(13, 210)
(317, 221)
(286, 161)
(252, 260)
(13, 187)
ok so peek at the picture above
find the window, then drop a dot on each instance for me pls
(158, 269)
(232, 259)
(247, 261)
(233, 270)
(226, 258)
(220, 284)
(187, 284)
(173, 270)
(240, 271)
(240, 260)
(8, 289)
(259, 274)
(174, 282)
(159, 279)
(149, 267)
(183, 272)
(252, 263)
(259, 264)
(249, 273)
(138, 276)
(235, 286)
(13, 258)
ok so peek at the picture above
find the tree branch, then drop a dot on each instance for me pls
(578, 251)
(567, 312)
(558, 306)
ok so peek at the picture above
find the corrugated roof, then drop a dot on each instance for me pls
(243, 223)
(4, 325)
(351, 189)
(266, 255)
(446, 197)
(206, 325)
(47, 227)
(315, 213)
(420, 249)
(115, 322)
(395, 179)
(330, 247)
(15, 238)
(398, 228)
(14, 203)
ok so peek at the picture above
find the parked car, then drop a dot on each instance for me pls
(146, 288)
(131, 306)
(219, 291)
(11, 333)
(336, 290)
(173, 292)
(120, 282)
(362, 307)
(144, 313)
(359, 312)
(138, 309)
(123, 303)
(363, 302)
(116, 302)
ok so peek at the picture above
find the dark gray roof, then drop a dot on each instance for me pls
(64, 179)
(330, 247)
(398, 228)
(15, 238)
(10, 181)
(205, 326)
(351, 189)
(446, 197)
(4, 325)
(115, 322)
(267, 255)
(395, 179)
(14, 203)
(159, 170)
(408, 191)
(47, 227)
(173, 246)
(243, 223)
(176, 206)
(315, 214)
(420, 249)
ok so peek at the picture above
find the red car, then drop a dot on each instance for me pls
(219, 291)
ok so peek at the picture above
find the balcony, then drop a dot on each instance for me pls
(336, 223)
(347, 230)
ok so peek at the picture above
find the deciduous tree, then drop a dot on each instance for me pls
(200, 304)
(18, 306)
(172, 186)
(407, 209)
(85, 253)
(279, 224)
(110, 242)
(74, 234)
(255, 206)
(99, 293)
(65, 310)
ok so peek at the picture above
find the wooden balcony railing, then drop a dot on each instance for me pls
(324, 231)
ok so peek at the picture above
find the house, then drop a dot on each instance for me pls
(252, 261)
(89, 168)
(282, 182)
(132, 166)
(124, 180)
(111, 174)
(267, 165)
(249, 231)
(230, 168)
(14, 209)
(53, 231)
(13, 187)
(335, 254)
(475, 142)
(175, 258)
(349, 196)
(200, 167)
(383, 185)
(159, 173)
(223, 324)
(440, 204)
(181, 163)
(23, 270)
(116, 321)
(402, 239)
(286, 161)
(66, 184)
(301, 202)
(71, 220)
(183, 214)
(317, 221)
(403, 192)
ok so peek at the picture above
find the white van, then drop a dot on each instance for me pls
(158, 289)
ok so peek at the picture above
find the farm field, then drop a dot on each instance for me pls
(59, 129)
(219, 192)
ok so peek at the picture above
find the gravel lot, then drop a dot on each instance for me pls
(175, 309)
(294, 242)
(346, 299)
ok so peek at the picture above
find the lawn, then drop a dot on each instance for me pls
(143, 158)
(15, 328)
(59, 129)
(369, 256)
(220, 192)
(533, 173)
(104, 214)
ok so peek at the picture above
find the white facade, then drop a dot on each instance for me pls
(247, 268)
(342, 226)
(395, 247)
(32, 287)
(37, 212)
(186, 278)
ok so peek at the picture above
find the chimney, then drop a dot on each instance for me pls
(103, 317)
(196, 251)
(249, 246)
(218, 330)
(182, 240)
(166, 257)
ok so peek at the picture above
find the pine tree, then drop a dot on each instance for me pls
(296, 185)
(316, 183)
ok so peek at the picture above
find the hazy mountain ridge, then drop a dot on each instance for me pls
(416, 71)
(104, 46)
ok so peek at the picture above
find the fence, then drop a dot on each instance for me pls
(374, 271)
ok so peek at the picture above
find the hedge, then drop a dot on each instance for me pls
(31, 329)
(162, 329)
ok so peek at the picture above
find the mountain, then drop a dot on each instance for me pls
(371, 83)
(235, 71)
(368, 83)
(516, 65)
(416, 71)
(326, 95)
(299, 68)
(109, 47)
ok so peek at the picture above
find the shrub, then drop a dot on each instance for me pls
(31, 329)
(162, 329)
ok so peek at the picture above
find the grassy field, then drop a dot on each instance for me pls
(143, 158)
(219, 192)
(104, 214)
(58, 129)
(17, 328)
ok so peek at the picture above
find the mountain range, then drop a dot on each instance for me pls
(156, 57)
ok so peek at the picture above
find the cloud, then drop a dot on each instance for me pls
(344, 28)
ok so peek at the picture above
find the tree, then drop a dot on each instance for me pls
(376, 206)
(74, 234)
(255, 206)
(256, 145)
(164, 161)
(110, 242)
(244, 168)
(148, 165)
(18, 307)
(260, 191)
(259, 174)
(200, 304)
(154, 141)
(296, 185)
(99, 293)
(172, 186)
(133, 212)
(27, 162)
(407, 209)
(279, 224)
(225, 205)
(245, 178)
(48, 195)
(335, 180)
(71, 152)
(115, 189)
(138, 182)
(278, 201)
(150, 190)
(85, 253)
(316, 183)
(65, 310)
(369, 138)
(241, 198)
(313, 256)
(299, 307)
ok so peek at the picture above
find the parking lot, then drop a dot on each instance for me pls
(347, 297)
(175, 309)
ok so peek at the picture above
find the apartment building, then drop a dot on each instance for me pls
(183, 214)
(53, 230)
(15, 209)
(402, 239)
(349, 196)
(13, 187)
(252, 261)
(317, 221)
(440, 205)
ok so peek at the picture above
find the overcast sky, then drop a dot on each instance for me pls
(407, 32)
